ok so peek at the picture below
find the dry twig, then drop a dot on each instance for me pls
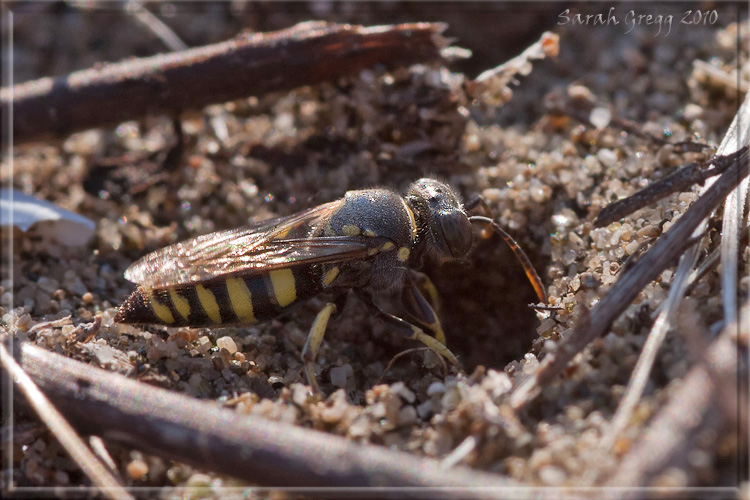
(734, 211)
(210, 437)
(157, 27)
(62, 430)
(681, 180)
(249, 64)
(492, 87)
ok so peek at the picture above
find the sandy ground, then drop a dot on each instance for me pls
(545, 177)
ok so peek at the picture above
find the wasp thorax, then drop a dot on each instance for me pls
(449, 232)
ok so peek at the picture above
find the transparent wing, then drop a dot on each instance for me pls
(268, 245)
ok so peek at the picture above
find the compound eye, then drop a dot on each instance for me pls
(457, 232)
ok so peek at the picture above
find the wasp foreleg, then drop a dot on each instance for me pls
(419, 308)
(405, 328)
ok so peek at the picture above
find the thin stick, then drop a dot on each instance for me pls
(734, 212)
(654, 340)
(249, 64)
(161, 30)
(209, 437)
(62, 430)
(681, 180)
(100, 450)
(460, 452)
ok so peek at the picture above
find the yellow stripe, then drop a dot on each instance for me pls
(161, 311)
(241, 299)
(412, 221)
(208, 301)
(330, 275)
(350, 230)
(284, 290)
(180, 303)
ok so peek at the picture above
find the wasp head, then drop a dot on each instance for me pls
(442, 220)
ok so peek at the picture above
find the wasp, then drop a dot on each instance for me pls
(371, 241)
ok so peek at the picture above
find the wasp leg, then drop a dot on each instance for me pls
(419, 308)
(405, 328)
(428, 289)
(314, 339)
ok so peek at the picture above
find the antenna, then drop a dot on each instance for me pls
(528, 268)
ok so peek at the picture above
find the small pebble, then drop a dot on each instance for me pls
(339, 375)
(551, 475)
(227, 343)
(436, 388)
(424, 410)
(333, 414)
(403, 391)
(198, 480)
(671, 478)
(47, 284)
(407, 415)
(692, 112)
(137, 470)
(607, 157)
(530, 363)
(600, 117)
(300, 394)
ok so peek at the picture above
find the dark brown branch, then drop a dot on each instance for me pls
(681, 180)
(307, 53)
(254, 449)
(665, 250)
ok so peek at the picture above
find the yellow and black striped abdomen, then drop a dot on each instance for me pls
(227, 301)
